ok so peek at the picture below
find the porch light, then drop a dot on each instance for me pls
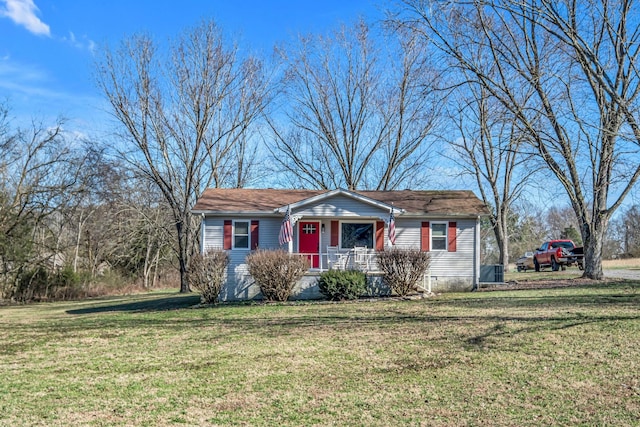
(322, 228)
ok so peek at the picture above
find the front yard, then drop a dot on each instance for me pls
(562, 356)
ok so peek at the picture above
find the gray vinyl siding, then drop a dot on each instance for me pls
(407, 233)
(443, 263)
(342, 207)
(456, 270)
(239, 285)
(446, 267)
(268, 230)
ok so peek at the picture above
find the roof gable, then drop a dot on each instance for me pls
(338, 192)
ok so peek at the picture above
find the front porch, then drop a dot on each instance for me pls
(342, 243)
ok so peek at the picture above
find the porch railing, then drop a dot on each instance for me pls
(353, 259)
(366, 262)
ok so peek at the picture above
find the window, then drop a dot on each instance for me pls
(438, 236)
(564, 245)
(241, 234)
(309, 228)
(357, 234)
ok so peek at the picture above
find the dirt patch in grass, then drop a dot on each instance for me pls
(546, 284)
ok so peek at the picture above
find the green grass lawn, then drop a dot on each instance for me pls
(567, 356)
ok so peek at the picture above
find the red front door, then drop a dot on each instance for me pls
(309, 241)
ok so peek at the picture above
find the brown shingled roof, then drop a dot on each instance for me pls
(219, 200)
(459, 202)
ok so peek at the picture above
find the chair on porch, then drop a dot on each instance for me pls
(360, 258)
(335, 260)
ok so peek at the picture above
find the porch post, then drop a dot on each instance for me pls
(476, 258)
(294, 222)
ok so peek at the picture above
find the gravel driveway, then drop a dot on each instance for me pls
(630, 274)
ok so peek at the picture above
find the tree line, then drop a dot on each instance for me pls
(517, 96)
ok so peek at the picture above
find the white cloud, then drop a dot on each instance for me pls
(81, 43)
(23, 12)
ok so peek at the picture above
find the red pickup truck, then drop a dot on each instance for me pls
(558, 254)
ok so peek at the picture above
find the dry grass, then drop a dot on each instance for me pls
(631, 263)
(538, 357)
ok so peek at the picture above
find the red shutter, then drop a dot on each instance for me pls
(424, 237)
(379, 235)
(453, 230)
(335, 233)
(228, 231)
(255, 235)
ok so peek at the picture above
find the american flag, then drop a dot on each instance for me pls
(392, 228)
(286, 230)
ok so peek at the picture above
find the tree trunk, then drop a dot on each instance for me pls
(504, 255)
(146, 269)
(77, 250)
(183, 255)
(503, 250)
(184, 283)
(499, 229)
(155, 269)
(593, 238)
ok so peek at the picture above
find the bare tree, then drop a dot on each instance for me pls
(123, 224)
(628, 230)
(184, 114)
(40, 174)
(560, 220)
(527, 230)
(355, 118)
(579, 62)
(487, 146)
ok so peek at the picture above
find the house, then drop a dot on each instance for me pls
(343, 229)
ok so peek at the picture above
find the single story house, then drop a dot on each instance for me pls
(343, 229)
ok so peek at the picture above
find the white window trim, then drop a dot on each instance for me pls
(446, 236)
(356, 221)
(233, 234)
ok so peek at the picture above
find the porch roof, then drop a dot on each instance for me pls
(268, 200)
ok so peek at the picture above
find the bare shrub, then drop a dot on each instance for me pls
(403, 269)
(276, 272)
(206, 274)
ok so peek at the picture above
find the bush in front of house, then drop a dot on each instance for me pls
(339, 285)
(403, 269)
(276, 272)
(206, 274)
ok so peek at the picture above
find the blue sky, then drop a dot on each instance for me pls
(47, 47)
